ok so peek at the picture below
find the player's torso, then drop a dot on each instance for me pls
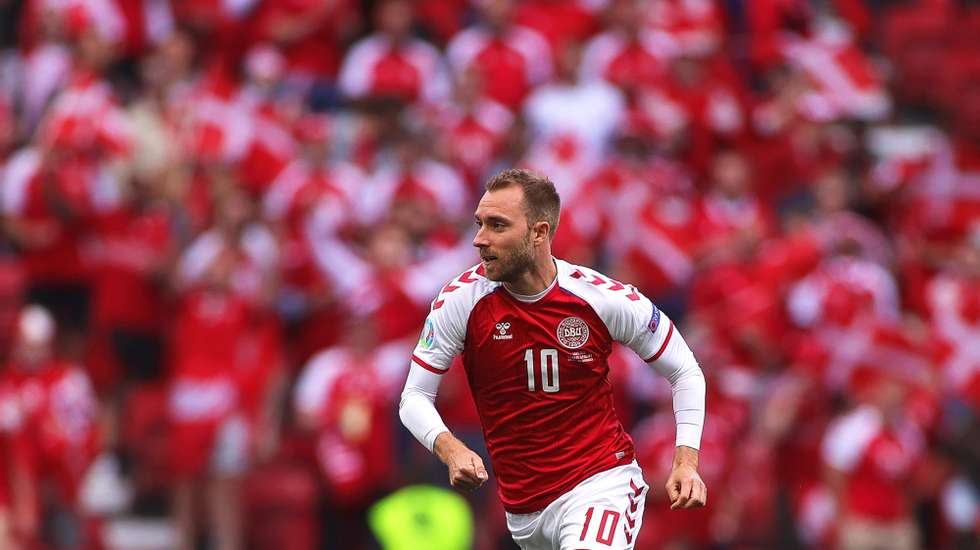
(538, 373)
(534, 357)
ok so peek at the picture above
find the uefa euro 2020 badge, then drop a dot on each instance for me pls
(654, 320)
(428, 338)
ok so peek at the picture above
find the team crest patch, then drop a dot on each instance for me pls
(573, 332)
(428, 337)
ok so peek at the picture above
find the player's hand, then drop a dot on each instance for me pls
(466, 470)
(684, 486)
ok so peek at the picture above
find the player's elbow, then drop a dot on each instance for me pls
(691, 371)
(403, 406)
(686, 370)
(408, 403)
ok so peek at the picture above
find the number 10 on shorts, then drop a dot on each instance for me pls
(549, 370)
(607, 526)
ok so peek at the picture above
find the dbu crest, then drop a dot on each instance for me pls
(573, 332)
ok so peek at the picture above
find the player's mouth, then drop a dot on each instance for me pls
(487, 260)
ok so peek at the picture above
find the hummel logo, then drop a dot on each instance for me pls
(501, 333)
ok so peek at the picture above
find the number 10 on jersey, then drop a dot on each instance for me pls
(549, 370)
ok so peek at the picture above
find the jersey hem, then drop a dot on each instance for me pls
(540, 504)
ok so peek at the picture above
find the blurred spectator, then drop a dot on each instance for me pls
(225, 366)
(871, 453)
(654, 245)
(561, 23)
(473, 130)
(59, 434)
(508, 58)
(341, 397)
(630, 54)
(391, 63)
(410, 177)
(571, 122)
(310, 36)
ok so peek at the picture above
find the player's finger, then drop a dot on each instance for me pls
(461, 481)
(470, 474)
(684, 494)
(673, 489)
(466, 475)
(474, 468)
(697, 495)
(481, 472)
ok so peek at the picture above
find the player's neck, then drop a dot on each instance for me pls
(537, 279)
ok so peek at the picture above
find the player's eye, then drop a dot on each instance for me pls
(498, 225)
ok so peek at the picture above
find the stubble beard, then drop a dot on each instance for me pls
(516, 263)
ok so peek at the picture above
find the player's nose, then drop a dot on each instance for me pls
(480, 239)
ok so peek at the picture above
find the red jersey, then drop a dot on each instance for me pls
(539, 374)
(510, 63)
(409, 71)
(339, 393)
(58, 411)
(627, 62)
(878, 459)
(129, 245)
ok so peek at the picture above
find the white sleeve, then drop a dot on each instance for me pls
(638, 324)
(441, 341)
(417, 408)
(442, 336)
(677, 364)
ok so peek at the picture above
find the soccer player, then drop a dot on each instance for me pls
(534, 333)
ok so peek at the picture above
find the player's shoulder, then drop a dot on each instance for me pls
(620, 305)
(593, 286)
(462, 292)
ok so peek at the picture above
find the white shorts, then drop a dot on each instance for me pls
(603, 512)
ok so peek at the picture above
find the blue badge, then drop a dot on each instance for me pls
(654, 319)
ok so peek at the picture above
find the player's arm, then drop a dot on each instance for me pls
(418, 413)
(677, 364)
(653, 336)
(441, 340)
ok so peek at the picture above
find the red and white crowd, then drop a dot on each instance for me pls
(223, 224)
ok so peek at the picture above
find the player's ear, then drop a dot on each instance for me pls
(541, 231)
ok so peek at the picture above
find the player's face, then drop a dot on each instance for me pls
(504, 237)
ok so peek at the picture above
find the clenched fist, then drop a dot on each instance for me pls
(466, 470)
(684, 486)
